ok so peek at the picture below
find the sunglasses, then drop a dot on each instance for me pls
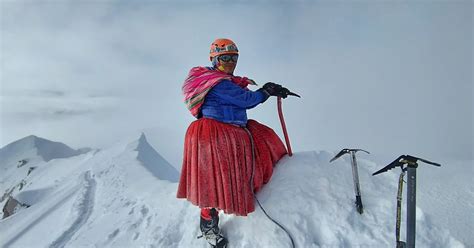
(228, 57)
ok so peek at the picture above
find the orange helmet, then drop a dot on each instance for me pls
(222, 46)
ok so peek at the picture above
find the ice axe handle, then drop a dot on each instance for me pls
(283, 126)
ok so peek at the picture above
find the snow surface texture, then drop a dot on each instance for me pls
(116, 198)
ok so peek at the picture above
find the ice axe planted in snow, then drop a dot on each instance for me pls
(406, 163)
(282, 119)
(355, 175)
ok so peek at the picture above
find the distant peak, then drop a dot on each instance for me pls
(46, 149)
(142, 138)
(28, 141)
(154, 162)
(28, 138)
(139, 143)
(34, 140)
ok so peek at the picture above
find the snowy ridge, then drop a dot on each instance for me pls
(154, 162)
(109, 198)
(83, 206)
(18, 159)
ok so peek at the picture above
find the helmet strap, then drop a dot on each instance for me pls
(214, 61)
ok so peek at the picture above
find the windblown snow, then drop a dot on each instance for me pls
(124, 196)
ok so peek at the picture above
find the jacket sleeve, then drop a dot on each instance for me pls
(231, 93)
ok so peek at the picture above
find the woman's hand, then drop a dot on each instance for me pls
(274, 89)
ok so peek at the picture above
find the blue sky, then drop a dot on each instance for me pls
(387, 76)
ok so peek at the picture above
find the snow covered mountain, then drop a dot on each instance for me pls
(36, 148)
(124, 196)
(18, 159)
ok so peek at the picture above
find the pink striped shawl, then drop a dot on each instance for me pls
(200, 81)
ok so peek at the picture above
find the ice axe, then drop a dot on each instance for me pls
(355, 175)
(282, 119)
(406, 163)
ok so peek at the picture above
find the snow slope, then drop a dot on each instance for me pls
(110, 198)
(447, 193)
(36, 152)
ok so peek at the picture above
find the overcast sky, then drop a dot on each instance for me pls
(387, 76)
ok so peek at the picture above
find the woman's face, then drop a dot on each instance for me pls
(227, 62)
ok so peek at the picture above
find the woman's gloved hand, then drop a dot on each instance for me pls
(273, 89)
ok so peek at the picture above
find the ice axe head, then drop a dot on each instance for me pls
(346, 150)
(286, 92)
(402, 162)
(293, 94)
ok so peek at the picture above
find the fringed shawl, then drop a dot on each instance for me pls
(200, 81)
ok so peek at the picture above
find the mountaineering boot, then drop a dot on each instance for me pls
(210, 230)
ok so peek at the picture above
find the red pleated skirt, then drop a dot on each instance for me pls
(217, 164)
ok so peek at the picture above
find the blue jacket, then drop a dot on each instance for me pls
(228, 102)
